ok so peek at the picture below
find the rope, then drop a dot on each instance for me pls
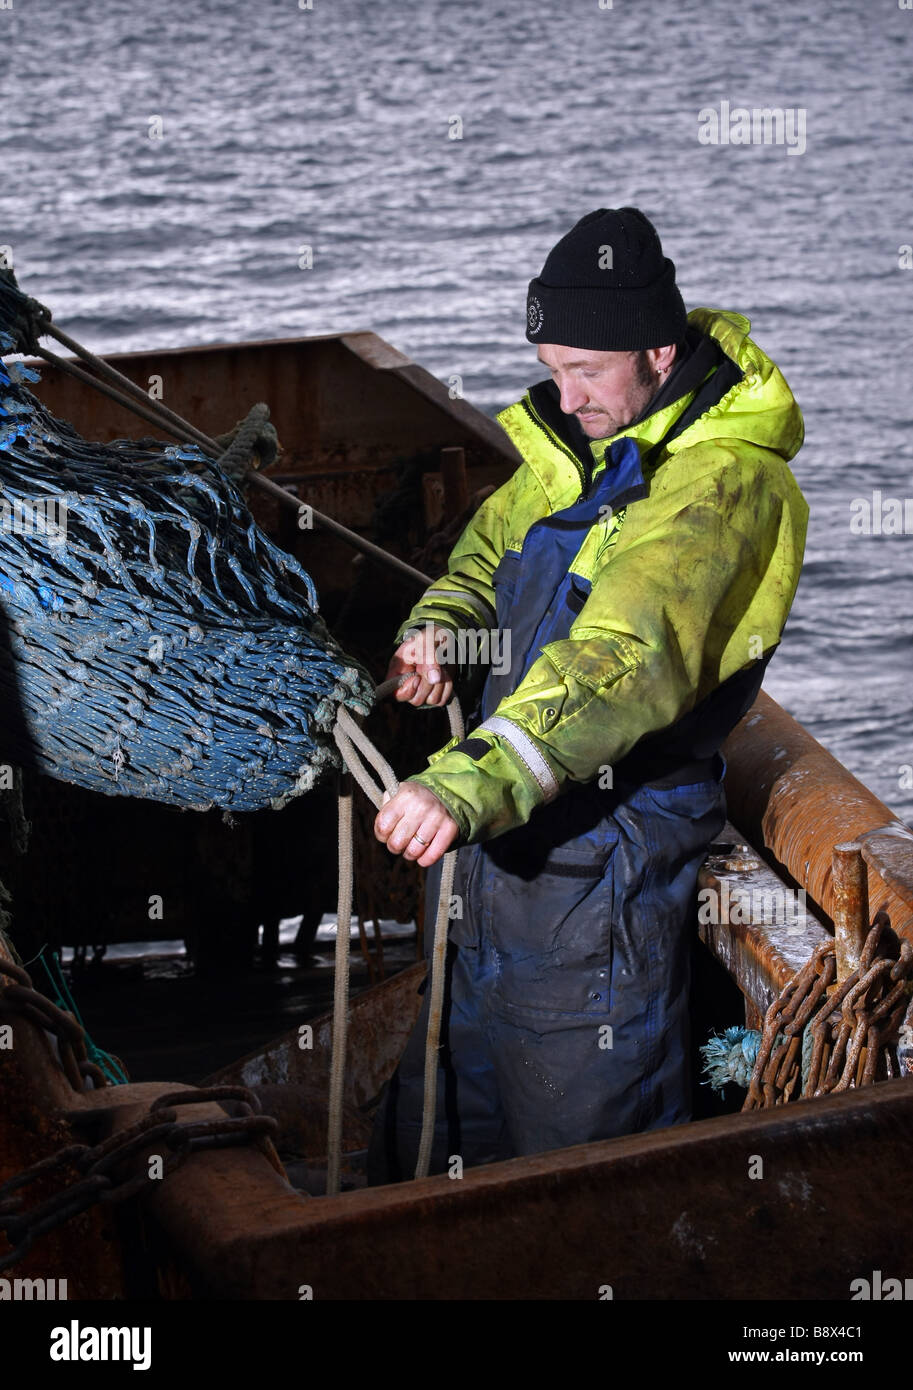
(349, 738)
(383, 557)
(435, 1013)
(352, 741)
(340, 987)
(110, 1065)
(253, 434)
(170, 421)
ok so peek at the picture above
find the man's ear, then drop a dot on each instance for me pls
(661, 359)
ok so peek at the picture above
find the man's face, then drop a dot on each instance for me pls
(604, 390)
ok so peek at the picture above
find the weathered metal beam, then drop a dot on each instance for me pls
(335, 400)
(765, 1205)
(752, 921)
(787, 793)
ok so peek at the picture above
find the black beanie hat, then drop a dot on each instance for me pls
(607, 287)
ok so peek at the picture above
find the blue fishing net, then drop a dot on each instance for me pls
(156, 642)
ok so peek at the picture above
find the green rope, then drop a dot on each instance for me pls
(64, 1000)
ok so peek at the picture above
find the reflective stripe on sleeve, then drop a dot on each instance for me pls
(526, 751)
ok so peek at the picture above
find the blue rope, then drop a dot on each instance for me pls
(158, 643)
(730, 1056)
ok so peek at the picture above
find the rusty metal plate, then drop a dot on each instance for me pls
(679, 1213)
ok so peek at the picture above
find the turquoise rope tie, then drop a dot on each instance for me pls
(64, 1000)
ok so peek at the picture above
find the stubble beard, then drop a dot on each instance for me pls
(648, 382)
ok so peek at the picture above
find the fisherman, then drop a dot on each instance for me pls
(642, 559)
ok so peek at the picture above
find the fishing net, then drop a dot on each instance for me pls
(156, 642)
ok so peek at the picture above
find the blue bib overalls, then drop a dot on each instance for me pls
(566, 1014)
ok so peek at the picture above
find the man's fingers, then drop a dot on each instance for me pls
(440, 694)
(386, 820)
(424, 693)
(416, 825)
(414, 847)
(419, 821)
(407, 688)
(424, 680)
(418, 690)
(393, 824)
(439, 846)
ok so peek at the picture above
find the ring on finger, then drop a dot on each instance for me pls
(426, 843)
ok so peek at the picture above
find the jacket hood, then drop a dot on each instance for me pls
(760, 408)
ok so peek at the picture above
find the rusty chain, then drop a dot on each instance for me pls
(848, 1029)
(71, 1037)
(99, 1180)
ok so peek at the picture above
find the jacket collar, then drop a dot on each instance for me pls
(565, 459)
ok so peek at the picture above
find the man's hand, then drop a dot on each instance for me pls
(416, 825)
(430, 682)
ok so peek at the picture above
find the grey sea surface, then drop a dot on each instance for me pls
(332, 128)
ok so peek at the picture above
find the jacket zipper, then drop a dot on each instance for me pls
(633, 494)
(553, 438)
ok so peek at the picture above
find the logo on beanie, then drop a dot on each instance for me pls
(534, 316)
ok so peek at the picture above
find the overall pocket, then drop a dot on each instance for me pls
(553, 930)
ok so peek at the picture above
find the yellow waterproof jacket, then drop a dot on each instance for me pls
(681, 588)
